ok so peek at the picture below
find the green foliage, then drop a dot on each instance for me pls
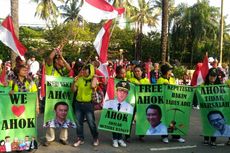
(27, 32)
(151, 46)
(4, 52)
(179, 71)
(122, 39)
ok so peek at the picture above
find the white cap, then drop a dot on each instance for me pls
(210, 59)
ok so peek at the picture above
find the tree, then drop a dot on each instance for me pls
(147, 14)
(70, 10)
(14, 14)
(164, 30)
(47, 9)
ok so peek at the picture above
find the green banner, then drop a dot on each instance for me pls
(214, 101)
(116, 115)
(4, 89)
(18, 119)
(178, 105)
(59, 99)
(150, 115)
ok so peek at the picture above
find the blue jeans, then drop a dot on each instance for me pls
(85, 110)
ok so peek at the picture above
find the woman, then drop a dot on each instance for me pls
(84, 107)
(121, 73)
(167, 78)
(139, 78)
(21, 83)
(211, 79)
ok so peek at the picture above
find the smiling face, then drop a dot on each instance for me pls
(153, 117)
(217, 121)
(121, 94)
(61, 112)
(138, 73)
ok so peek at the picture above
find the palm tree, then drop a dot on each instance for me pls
(171, 10)
(164, 30)
(14, 14)
(147, 14)
(47, 9)
(71, 10)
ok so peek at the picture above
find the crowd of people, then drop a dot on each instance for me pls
(25, 77)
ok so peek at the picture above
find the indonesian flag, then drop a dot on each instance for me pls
(3, 76)
(8, 37)
(101, 42)
(96, 10)
(103, 69)
(101, 45)
(200, 72)
(110, 92)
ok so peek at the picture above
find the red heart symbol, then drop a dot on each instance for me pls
(18, 110)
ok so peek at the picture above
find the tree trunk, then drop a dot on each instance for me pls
(14, 14)
(164, 30)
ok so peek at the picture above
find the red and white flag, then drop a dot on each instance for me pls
(101, 45)
(96, 10)
(9, 38)
(3, 76)
(101, 42)
(110, 92)
(200, 72)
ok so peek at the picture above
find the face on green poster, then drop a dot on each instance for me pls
(150, 118)
(117, 113)
(214, 109)
(59, 98)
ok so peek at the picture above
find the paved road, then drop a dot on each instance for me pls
(150, 145)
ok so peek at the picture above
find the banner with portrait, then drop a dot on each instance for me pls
(178, 104)
(59, 95)
(214, 101)
(18, 120)
(117, 112)
(150, 115)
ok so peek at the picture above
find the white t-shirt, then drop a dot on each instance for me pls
(124, 107)
(34, 67)
(226, 132)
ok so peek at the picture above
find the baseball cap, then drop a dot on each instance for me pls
(213, 72)
(165, 68)
(123, 85)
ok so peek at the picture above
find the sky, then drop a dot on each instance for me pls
(27, 10)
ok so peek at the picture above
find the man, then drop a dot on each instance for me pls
(216, 119)
(119, 104)
(60, 121)
(153, 115)
(56, 64)
(33, 66)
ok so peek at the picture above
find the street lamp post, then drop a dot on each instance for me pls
(221, 32)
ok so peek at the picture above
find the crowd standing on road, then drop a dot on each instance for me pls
(24, 77)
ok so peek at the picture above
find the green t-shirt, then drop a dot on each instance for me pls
(50, 70)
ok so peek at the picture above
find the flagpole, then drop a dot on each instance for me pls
(113, 28)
